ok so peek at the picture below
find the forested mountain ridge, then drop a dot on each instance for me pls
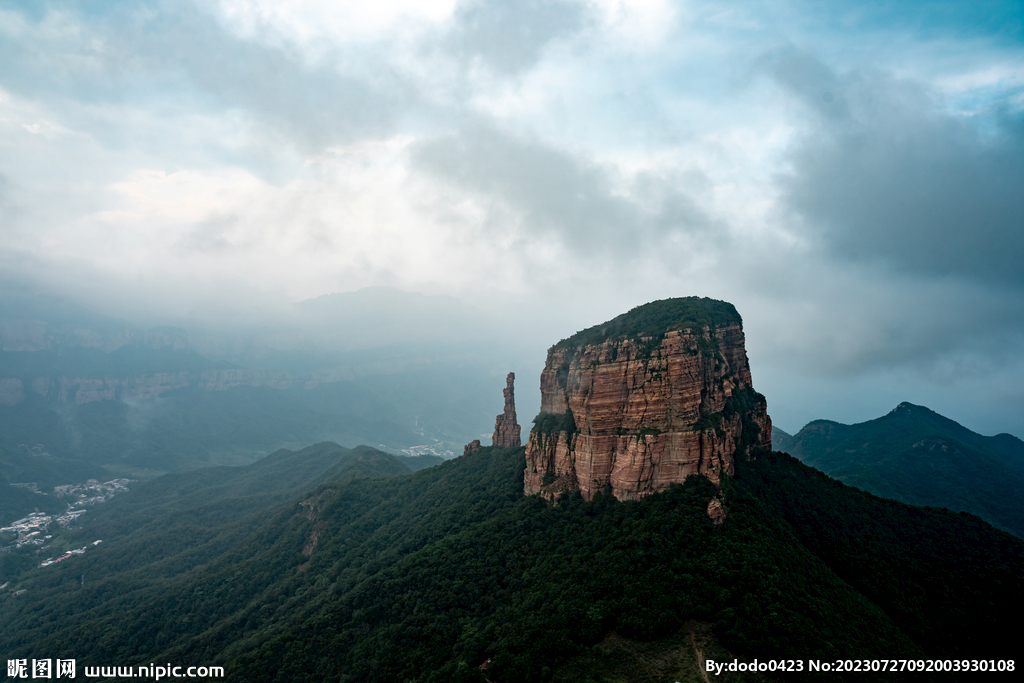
(915, 455)
(205, 511)
(425, 576)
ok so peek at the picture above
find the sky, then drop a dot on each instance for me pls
(849, 174)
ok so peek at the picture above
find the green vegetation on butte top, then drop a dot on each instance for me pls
(657, 318)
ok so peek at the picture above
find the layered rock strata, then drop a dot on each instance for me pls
(644, 401)
(506, 429)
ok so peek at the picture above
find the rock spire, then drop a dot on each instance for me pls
(506, 429)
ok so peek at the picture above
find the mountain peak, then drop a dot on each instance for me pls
(908, 406)
(921, 457)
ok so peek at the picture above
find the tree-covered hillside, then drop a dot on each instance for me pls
(426, 576)
(917, 456)
(190, 517)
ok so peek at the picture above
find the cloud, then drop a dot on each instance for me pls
(171, 57)
(509, 37)
(315, 24)
(548, 194)
(859, 204)
(887, 175)
(6, 208)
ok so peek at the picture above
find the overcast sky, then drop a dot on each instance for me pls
(849, 175)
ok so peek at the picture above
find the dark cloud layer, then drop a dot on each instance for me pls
(557, 196)
(888, 176)
(174, 55)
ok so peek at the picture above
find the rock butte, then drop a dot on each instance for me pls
(644, 401)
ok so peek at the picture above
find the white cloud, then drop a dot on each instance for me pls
(355, 216)
(641, 24)
(318, 27)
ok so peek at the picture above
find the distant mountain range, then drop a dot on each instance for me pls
(83, 395)
(917, 456)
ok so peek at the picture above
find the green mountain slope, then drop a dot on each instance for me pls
(920, 457)
(781, 441)
(276, 478)
(423, 577)
(942, 576)
(180, 520)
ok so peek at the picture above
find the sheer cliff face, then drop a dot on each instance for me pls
(641, 413)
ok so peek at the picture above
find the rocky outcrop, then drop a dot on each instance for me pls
(645, 400)
(716, 511)
(471, 448)
(506, 429)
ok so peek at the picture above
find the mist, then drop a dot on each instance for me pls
(848, 179)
